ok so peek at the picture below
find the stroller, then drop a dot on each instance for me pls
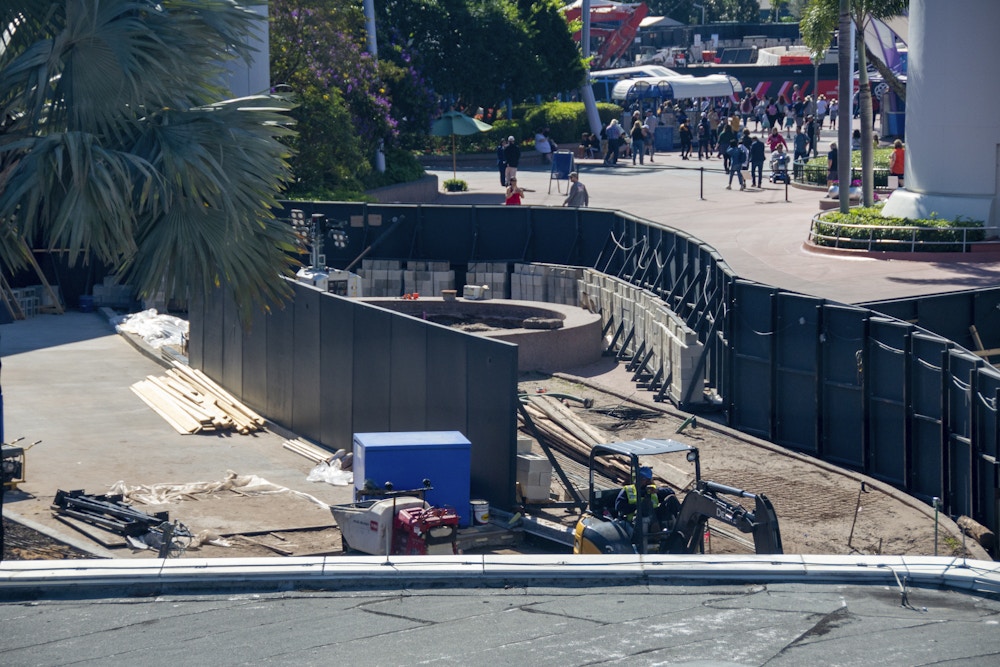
(779, 168)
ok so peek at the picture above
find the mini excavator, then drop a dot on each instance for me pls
(672, 527)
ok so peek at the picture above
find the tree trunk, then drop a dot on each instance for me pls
(865, 102)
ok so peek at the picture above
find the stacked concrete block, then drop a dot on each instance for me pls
(381, 277)
(494, 274)
(113, 295)
(673, 347)
(534, 476)
(427, 278)
(551, 283)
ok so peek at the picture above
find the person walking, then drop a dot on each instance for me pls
(704, 134)
(800, 151)
(502, 161)
(512, 154)
(638, 141)
(775, 139)
(685, 135)
(757, 156)
(577, 192)
(897, 161)
(614, 133)
(831, 164)
(737, 158)
(652, 122)
(725, 137)
(811, 135)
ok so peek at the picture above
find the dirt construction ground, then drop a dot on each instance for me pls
(815, 502)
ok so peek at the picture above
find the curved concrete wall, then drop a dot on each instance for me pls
(952, 124)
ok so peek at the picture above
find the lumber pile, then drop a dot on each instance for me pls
(192, 402)
(318, 454)
(565, 432)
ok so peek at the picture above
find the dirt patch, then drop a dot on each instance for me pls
(821, 509)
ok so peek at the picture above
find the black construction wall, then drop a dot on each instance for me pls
(892, 392)
(326, 367)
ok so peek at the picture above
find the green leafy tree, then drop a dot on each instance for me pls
(480, 52)
(118, 144)
(819, 20)
(319, 54)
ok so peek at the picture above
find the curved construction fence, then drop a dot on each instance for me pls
(847, 384)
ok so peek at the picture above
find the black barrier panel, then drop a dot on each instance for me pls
(926, 452)
(196, 330)
(254, 390)
(447, 380)
(986, 319)
(372, 370)
(988, 422)
(392, 230)
(280, 359)
(962, 393)
(306, 403)
(554, 235)
(885, 376)
(948, 317)
(501, 233)
(212, 333)
(336, 362)
(232, 347)
(408, 354)
(446, 233)
(796, 372)
(752, 356)
(595, 232)
(843, 340)
(492, 408)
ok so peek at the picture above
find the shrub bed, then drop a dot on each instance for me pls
(866, 229)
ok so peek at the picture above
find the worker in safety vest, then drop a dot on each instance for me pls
(630, 496)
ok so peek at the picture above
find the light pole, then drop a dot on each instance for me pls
(702, 8)
(369, 7)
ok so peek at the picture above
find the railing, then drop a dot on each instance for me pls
(900, 238)
(815, 174)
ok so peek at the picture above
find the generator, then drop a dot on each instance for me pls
(335, 281)
(12, 464)
(431, 531)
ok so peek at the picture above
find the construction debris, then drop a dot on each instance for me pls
(192, 402)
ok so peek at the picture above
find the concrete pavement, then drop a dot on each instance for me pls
(758, 232)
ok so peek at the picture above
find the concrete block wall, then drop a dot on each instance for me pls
(675, 347)
(494, 274)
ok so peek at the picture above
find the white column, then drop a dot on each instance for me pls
(952, 125)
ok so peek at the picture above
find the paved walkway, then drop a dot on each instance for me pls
(758, 232)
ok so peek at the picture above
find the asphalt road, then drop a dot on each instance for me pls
(772, 625)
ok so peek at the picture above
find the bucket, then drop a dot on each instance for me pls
(86, 303)
(480, 512)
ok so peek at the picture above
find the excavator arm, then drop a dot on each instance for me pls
(705, 502)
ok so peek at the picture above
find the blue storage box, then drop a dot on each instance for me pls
(407, 458)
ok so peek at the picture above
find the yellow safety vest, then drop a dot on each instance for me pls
(632, 493)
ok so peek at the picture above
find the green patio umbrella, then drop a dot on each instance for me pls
(456, 122)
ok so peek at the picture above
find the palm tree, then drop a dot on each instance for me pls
(118, 144)
(819, 20)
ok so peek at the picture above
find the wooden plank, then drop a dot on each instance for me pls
(147, 391)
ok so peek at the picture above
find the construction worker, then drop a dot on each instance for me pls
(631, 494)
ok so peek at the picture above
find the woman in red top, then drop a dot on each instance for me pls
(513, 193)
(896, 161)
(775, 139)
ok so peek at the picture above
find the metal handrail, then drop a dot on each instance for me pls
(800, 167)
(913, 242)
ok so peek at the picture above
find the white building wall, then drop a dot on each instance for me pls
(254, 79)
(952, 123)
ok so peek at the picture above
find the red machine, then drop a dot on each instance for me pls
(614, 23)
(420, 532)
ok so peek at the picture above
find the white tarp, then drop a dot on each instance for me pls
(678, 88)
